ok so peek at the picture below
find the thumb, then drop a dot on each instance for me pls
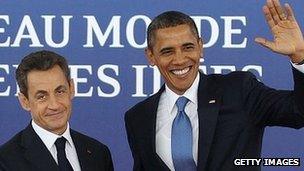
(266, 43)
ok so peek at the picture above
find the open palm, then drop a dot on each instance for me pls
(288, 38)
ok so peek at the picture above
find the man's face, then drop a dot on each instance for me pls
(176, 53)
(49, 99)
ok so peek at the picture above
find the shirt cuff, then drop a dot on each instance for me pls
(298, 67)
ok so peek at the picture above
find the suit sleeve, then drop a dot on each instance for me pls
(2, 168)
(270, 107)
(299, 90)
(137, 166)
(108, 159)
(2, 165)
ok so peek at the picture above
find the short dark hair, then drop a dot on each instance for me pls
(169, 19)
(41, 61)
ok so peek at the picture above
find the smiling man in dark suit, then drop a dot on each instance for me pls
(203, 122)
(48, 143)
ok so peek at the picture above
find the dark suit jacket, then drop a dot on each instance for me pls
(230, 128)
(26, 152)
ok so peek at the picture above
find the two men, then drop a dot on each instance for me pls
(203, 122)
(48, 143)
(195, 121)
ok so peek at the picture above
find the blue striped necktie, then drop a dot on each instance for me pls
(181, 139)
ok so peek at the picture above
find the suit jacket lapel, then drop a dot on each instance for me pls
(209, 98)
(36, 152)
(84, 152)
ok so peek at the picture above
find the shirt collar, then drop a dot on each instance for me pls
(49, 138)
(190, 93)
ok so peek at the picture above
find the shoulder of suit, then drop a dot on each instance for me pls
(141, 106)
(12, 145)
(88, 140)
(232, 77)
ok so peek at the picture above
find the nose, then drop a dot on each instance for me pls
(53, 103)
(179, 58)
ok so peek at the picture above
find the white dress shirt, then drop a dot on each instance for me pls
(49, 138)
(166, 112)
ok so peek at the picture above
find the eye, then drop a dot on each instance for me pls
(41, 97)
(61, 92)
(166, 52)
(189, 47)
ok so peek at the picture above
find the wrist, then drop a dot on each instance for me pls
(300, 63)
(298, 57)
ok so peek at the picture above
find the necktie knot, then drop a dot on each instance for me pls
(181, 103)
(60, 143)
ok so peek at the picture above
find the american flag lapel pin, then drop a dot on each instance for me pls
(211, 101)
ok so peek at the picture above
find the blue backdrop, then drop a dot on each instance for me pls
(104, 43)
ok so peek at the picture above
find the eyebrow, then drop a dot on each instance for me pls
(165, 49)
(170, 48)
(187, 44)
(39, 92)
(61, 87)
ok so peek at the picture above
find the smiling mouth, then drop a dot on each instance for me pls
(54, 114)
(180, 72)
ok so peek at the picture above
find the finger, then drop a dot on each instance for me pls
(273, 11)
(268, 17)
(279, 10)
(266, 43)
(290, 14)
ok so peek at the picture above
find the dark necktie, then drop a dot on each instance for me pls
(63, 163)
(181, 139)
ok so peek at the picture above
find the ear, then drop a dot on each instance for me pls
(72, 88)
(150, 56)
(24, 102)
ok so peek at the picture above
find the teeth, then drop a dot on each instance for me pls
(181, 72)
